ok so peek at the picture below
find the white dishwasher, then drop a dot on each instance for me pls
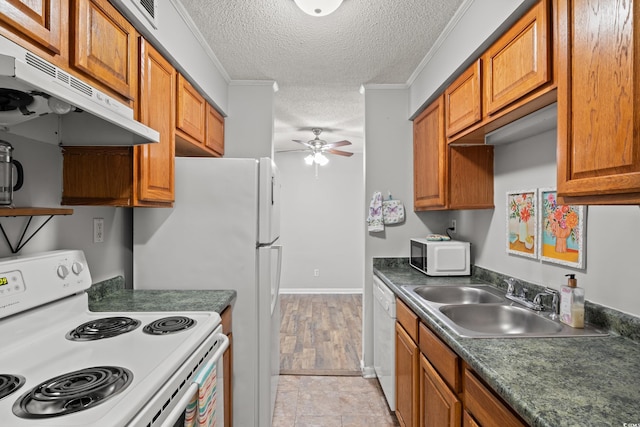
(384, 342)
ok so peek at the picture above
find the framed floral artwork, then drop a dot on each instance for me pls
(522, 223)
(561, 234)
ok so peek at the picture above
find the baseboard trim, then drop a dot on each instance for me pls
(322, 372)
(369, 372)
(333, 291)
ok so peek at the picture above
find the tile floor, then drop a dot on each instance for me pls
(323, 401)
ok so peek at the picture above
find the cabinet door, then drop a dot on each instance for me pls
(471, 177)
(191, 112)
(104, 46)
(520, 61)
(463, 100)
(215, 131)
(598, 107)
(430, 158)
(155, 162)
(40, 22)
(439, 406)
(407, 365)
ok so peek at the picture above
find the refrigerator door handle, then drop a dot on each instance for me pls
(275, 290)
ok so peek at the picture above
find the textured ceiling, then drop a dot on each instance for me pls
(319, 63)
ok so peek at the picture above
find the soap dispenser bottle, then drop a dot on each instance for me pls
(572, 303)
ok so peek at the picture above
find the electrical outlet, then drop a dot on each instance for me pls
(98, 230)
(316, 272)
(453, 227)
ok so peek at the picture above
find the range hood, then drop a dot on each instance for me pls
(41, 102)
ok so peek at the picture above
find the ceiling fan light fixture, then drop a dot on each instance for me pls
(309, 159)
(318, 7)
(320, 159)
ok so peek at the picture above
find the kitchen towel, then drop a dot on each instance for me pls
(392, 212)
(201, 411)
(374, 220)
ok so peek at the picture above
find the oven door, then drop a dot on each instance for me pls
(168, 406)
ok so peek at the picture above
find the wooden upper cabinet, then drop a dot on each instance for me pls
(519, 61)
(130, 176)
(38, 25)
(430, 158)
(215, 131)
(463, 100)
(155, 162)
(191, 112)
(104, 46)
(199, 127)
(598, 102)
(448, 177)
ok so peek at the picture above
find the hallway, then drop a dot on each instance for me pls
(320, 383)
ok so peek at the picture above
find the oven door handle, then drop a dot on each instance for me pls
(193, 388)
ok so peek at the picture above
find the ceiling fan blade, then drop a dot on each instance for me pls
(289, 151)
(340, 153)
(338, 144)
(305, 143)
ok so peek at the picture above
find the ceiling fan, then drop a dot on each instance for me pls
(319, 148)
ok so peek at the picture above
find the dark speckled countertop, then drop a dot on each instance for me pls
(111, 295)
(551, 382)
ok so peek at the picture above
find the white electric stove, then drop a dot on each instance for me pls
(62, 365)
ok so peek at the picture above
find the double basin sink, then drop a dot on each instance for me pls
(481, 311)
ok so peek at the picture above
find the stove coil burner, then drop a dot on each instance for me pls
(72, 392)
(10, 383)
(106, 327)
(169, 325)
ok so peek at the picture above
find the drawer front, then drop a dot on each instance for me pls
(443, 359)
(484, 406)
(407, 319)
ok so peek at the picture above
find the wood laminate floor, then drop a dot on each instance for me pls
(321, 334)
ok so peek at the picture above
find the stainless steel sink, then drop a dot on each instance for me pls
(457, 294)
(475, 310)
(500, 319)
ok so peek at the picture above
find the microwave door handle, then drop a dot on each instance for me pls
(180, 407)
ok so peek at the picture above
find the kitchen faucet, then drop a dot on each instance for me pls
(521, 297)
(555, 302)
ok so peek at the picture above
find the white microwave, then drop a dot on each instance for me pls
(440, 257)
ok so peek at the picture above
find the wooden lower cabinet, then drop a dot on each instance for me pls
(439, 406)
(484, 406)
(407, 365)
(227, 363)
(435, 388)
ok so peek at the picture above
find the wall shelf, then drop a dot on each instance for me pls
(29, 212)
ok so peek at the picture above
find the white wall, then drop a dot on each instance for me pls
(248, 130)
(43, 188)
(389, 167)
(322, 224)
(612, 232)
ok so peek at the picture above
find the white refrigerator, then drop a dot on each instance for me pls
(223, 234)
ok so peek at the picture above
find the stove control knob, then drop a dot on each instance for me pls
(77, 268)
(62, 271)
